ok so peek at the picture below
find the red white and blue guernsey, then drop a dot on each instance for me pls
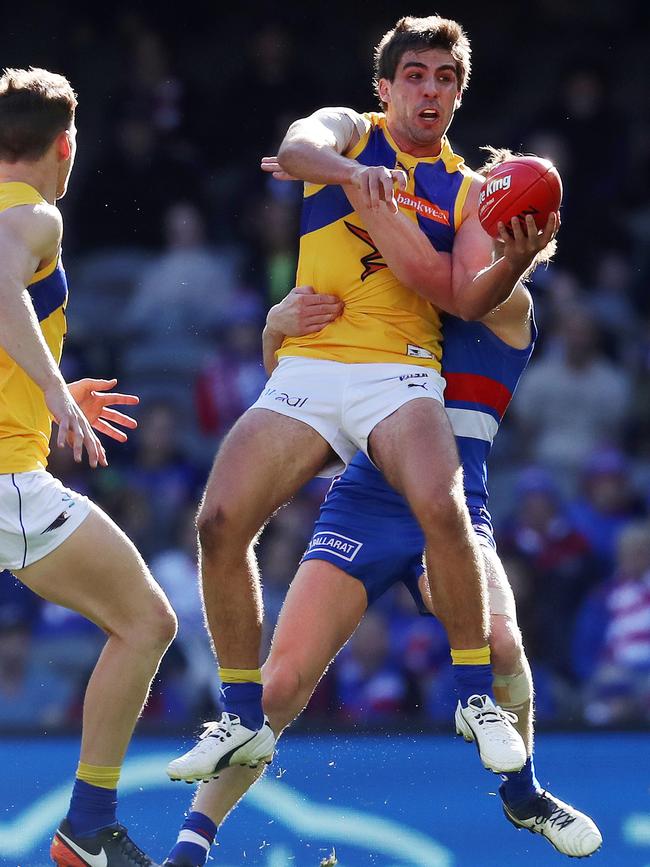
(365, 527)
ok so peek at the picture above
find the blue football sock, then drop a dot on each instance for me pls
(522, 786)
(194, 841)
(472, 680)
(91, 808)
(245, 700)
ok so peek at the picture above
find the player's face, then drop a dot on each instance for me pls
(68, 150)
(422, 99)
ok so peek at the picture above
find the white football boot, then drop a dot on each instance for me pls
(499, 743)
(566, 829)
(223, 743)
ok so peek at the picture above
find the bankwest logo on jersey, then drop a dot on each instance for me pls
(422, 207)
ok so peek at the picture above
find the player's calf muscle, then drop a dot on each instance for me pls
(505, 645)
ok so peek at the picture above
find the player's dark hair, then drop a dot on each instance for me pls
(495, 157)
(35, 106)
(421, 34)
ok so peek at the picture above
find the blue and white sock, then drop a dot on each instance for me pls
(194, 841)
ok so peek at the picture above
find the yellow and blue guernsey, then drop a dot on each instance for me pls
(25, 422)
(382, 320)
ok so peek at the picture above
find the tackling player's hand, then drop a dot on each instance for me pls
(520, 246)
(303, 311)
(372, 186)
(95, 400)
(74, 427)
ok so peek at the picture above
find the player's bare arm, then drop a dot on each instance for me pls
(512, 320)
(29, 238)
(301, 312)
(468, 283)
(479, 284)
(314, 151)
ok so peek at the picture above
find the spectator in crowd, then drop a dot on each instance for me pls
(234, 375)
(372, 684)
(188, 289)
(573, 399)
(150, 490)
(610, 299)
(606, 505)
(27, 698)
(611, 643)
(558, 561)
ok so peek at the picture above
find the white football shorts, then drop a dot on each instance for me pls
(37, 514)
(344, 402)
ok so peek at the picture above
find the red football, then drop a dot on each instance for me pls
(517, 187)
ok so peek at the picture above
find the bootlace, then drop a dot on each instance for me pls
(490, 713)
(220, 729)
(551, 812)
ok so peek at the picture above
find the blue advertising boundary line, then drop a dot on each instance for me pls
(388, 801)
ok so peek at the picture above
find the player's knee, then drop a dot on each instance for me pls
(283, 699)
(166, 624)
(506, 648)
(216, 527)
(441, 515)
(154, 628)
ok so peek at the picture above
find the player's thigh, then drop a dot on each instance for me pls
(322, 609)
(98, 572)
(416, 451)
(263, 461)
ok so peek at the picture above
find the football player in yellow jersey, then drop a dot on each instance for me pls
(54, 540)
(369, 380)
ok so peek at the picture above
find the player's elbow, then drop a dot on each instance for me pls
(471, 314)
(471, 310)
(291, 148)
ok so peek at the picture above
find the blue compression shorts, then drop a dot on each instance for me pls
(379, 549)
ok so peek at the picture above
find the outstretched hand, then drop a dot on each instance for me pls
(95, 401)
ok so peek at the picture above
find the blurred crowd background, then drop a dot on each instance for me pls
(176, 245)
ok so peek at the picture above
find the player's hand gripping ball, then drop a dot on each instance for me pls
(517, 187)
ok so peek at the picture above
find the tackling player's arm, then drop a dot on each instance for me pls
(314, 150)
(512, 320)
(301, 312)
(480, 282)
(30, 236)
